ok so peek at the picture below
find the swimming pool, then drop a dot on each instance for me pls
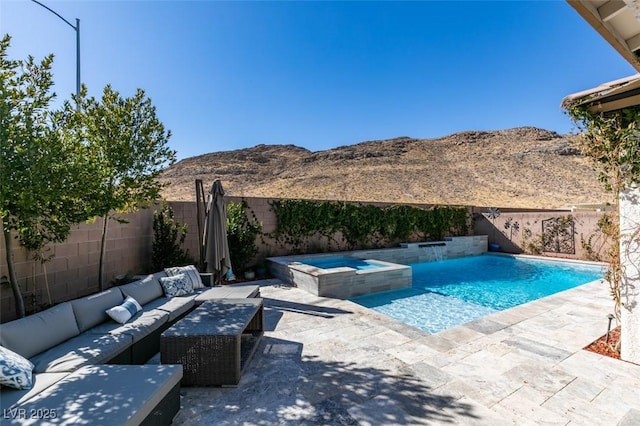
(452, 292)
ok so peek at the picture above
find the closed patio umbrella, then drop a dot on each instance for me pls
(216, 246)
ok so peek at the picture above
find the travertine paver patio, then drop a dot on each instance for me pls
(331, 362)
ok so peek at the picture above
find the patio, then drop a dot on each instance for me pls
(332, 362)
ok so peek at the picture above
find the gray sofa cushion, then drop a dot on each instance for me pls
(91, 310)
(105, 394)
(174, 306)
(144, 290)
(10, 397)
(82, 350)
(38, 332)
(141, 325)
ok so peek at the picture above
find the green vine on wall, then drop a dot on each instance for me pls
(593, 243)
(243, 228)
(300, 222)
(610, 140)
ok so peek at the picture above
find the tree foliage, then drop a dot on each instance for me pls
(611, 140)
(42, 169)
(129, 148)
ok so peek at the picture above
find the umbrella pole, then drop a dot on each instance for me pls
(199, 203)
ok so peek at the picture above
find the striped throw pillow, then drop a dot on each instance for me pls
(190, 272)
(123, 312)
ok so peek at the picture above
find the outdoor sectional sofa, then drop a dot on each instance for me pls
(88, 368)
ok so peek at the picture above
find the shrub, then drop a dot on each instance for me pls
(242, 230)
(168, 237)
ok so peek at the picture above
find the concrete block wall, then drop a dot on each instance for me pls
(512, 239)
(73, 270)
(186, 212)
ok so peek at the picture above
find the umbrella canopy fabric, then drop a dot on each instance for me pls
(216, 246)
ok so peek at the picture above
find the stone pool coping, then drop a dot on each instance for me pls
(345, 282)
(318, 271)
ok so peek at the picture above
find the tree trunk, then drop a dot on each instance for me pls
(17, 294)
(103, 249)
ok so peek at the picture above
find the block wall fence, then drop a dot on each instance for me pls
(516, 232)
(73, 270)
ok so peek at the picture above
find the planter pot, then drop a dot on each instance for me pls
(494, 247)
(249, 275)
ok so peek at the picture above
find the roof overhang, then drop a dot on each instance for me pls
(607, 97)
(618, 22)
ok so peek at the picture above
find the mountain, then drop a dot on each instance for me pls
(520, 167)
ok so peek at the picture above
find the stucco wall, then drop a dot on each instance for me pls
(630, 262)
(520, 232)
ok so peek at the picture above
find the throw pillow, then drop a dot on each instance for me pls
(177, 285)
(15, 370)
(123, 312)
(190, 271)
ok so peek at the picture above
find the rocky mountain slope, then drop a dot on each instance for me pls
(520, 167)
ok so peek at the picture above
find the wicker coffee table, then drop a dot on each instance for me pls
(215, 342)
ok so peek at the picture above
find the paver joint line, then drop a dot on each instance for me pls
(364, 362)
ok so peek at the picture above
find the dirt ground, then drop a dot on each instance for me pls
(602, 347)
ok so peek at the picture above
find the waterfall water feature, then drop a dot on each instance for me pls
(438, 250)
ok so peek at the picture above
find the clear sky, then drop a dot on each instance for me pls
(229, 75)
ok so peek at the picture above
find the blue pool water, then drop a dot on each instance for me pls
(341, 261)
(452, 292)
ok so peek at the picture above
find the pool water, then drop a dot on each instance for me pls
(341, 261)
(451, 292)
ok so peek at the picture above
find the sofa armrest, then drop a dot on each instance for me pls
(134, 394)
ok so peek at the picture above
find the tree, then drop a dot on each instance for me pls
(129, 145)
(41, 169)
(610, 140)
(168, 238)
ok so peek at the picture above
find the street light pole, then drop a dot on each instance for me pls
(77, 30)
(77, 58)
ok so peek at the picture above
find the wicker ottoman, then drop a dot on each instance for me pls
(215, 342)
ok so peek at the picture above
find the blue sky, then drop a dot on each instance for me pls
(229, 75)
